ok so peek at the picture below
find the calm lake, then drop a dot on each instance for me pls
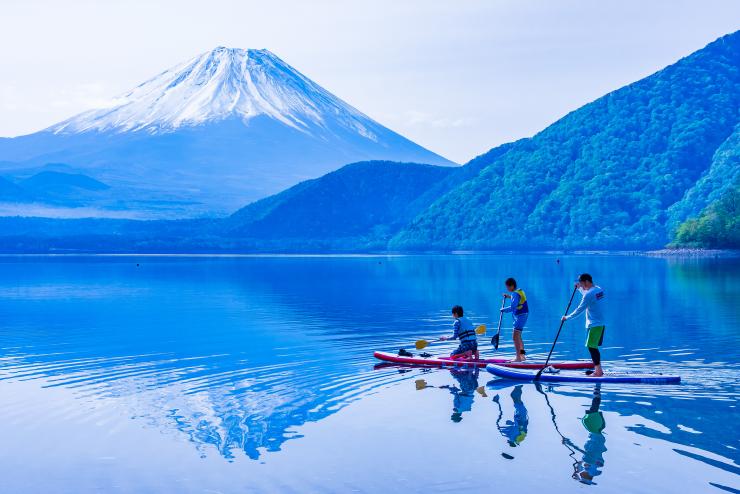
(256, 374)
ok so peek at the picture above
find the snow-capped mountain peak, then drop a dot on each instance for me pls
(221, 84)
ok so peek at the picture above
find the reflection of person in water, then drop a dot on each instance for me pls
(592, 454)
(464, 395)
(595, 447)
(514, 430)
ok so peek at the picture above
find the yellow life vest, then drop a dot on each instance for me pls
(523, 306)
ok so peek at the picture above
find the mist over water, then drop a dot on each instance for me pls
(233, 374)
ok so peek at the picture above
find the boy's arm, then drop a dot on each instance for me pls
(456, 328)
(456, 332)
(514, 302)
(581, 307)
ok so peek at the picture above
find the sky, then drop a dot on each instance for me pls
(458, 77)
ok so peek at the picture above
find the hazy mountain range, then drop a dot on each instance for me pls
(202, 138)
(625, 171)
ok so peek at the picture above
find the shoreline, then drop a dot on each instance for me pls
(694, 253)
(658, 253)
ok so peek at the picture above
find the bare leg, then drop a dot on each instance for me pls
(518, 346)
(596, 357)
(522, 355)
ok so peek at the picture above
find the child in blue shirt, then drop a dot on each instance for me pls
(463, 331)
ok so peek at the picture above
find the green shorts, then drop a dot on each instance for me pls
(595, 336)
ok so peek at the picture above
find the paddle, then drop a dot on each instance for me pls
(494, 340)
(564, 440)
(422, 344)
(422, 384)
(547, 361)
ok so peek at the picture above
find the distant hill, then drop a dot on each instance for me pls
(50, 181)
(11, 192)
(359, 205)
(620, 172)
(49, 189)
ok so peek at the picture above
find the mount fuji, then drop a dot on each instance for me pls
(203, 138)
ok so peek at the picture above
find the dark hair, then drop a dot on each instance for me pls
(510, 282)
(586, 277)
(457, 310)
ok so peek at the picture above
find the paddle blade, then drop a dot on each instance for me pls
(420, 384)
(481, 329)
(481, 391)
(421, 344)
(494, 341)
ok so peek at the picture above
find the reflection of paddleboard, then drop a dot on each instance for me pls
(524, 375)
(466, 363)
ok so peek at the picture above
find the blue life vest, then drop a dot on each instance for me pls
(464, 329)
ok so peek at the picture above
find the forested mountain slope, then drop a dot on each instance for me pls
(718, 225)
(620, 172)
(359, 205)
(722, 175)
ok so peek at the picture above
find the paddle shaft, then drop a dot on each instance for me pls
(565, 441)
(547, 361)
(500, 319)
(441, 341)
(421, 344)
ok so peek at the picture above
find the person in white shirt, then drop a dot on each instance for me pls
(592, 304)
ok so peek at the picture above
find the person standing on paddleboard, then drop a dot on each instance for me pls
(463, 331)
(592, 304)
(519, 309)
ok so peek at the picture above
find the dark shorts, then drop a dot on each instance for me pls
(466, 346)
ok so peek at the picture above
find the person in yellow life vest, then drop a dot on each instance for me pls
(516, 430)
(519, 309)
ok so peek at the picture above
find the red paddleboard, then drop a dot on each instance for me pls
(469, 364)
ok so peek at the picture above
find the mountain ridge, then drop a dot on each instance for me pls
(209, 135)
(606, 174)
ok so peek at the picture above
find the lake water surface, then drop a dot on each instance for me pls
(256, 374)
